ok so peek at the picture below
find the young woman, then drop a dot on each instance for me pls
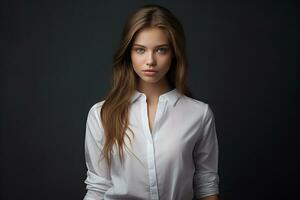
(149, 138)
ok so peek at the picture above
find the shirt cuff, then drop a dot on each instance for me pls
(96, 186)
(206, 184)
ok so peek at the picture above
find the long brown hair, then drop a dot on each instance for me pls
(114, 111)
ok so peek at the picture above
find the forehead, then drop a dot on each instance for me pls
(151, 36)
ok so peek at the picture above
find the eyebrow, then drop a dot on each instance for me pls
(155, 46)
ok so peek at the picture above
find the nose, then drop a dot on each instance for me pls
(151, 59)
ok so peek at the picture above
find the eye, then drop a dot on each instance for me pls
(139, 50)
(162, 50)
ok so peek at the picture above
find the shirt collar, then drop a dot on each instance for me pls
(171, 96)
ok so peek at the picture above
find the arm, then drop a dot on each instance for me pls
(205, 154)
(98, 179)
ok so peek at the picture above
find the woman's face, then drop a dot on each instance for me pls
(151, 50)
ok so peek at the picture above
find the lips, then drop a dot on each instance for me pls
(149, 70)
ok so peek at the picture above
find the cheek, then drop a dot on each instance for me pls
(136, 60)
(166, 61)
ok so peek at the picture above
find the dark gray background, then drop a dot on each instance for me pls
(56, 63)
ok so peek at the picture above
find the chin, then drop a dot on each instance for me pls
(150, 79)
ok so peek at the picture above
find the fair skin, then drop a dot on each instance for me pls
(212, 197)
(152, 50)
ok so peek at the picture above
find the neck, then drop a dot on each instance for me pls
(153, 90)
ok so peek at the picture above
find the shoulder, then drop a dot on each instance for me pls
(194, 104)
(93, 116)
(96, 107)
(94, 129)
(198, 107)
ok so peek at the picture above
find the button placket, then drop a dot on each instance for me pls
(150, 149)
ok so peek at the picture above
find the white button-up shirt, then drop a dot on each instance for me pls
(177, 161)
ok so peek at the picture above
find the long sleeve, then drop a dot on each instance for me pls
(205, 155)
(98, 179)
